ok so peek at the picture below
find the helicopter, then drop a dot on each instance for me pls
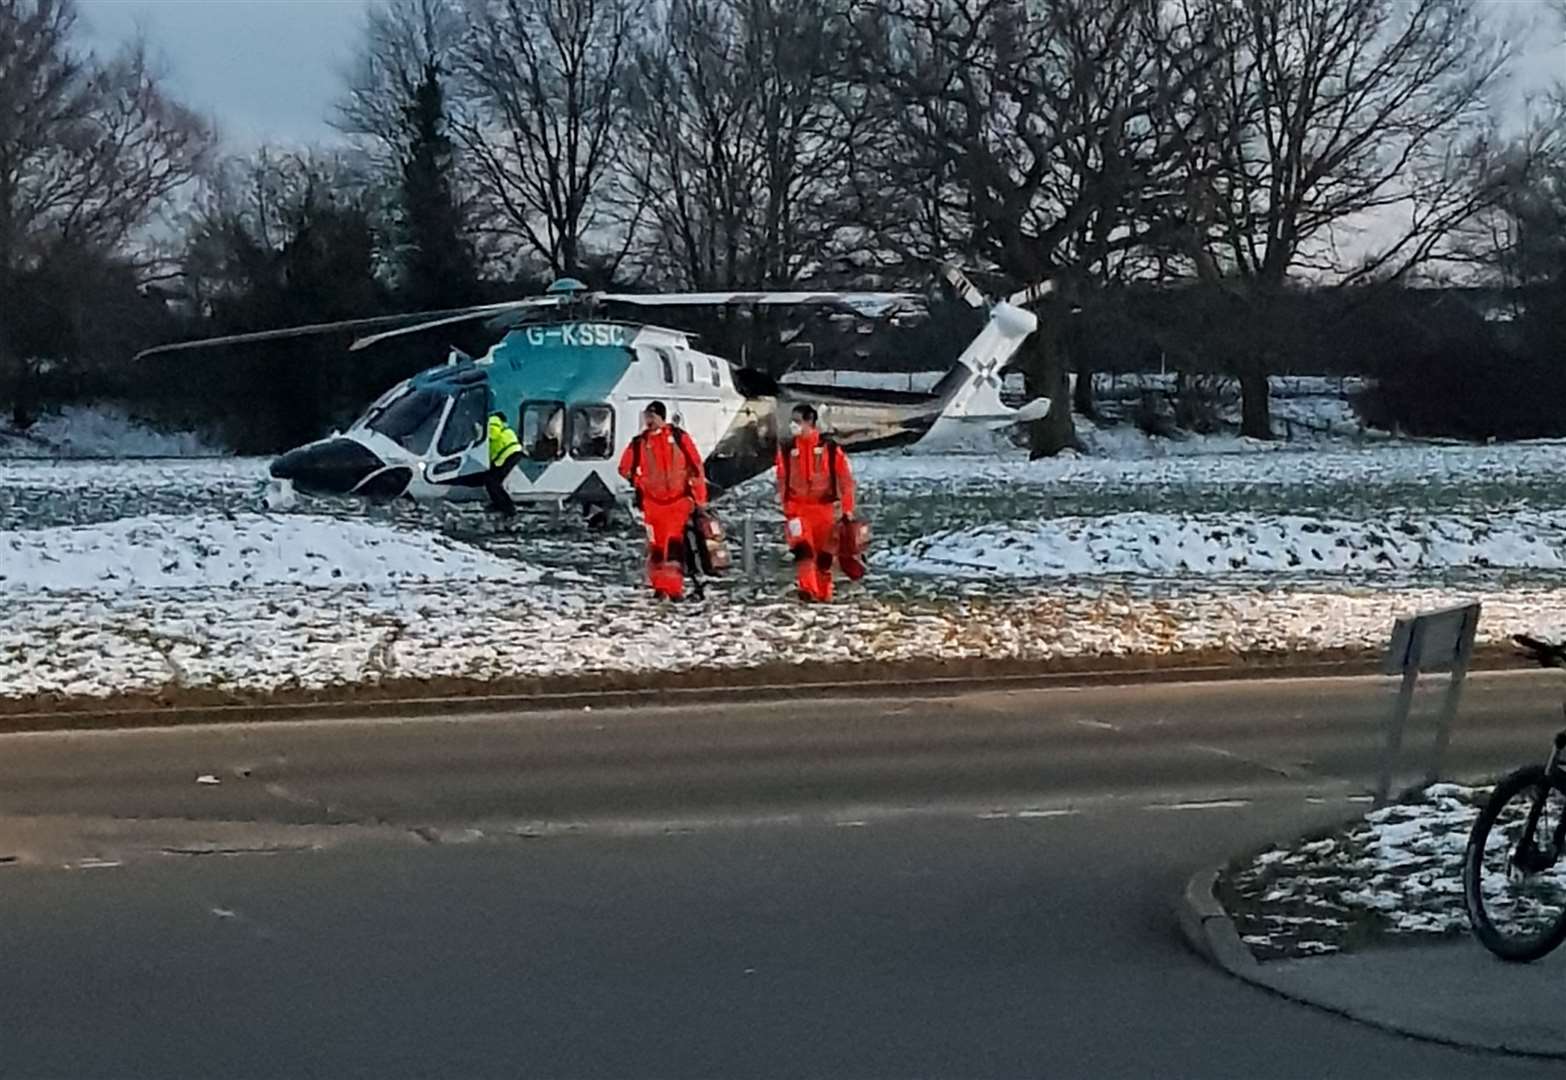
(574, 383)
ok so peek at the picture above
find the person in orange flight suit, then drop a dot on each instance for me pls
(814, 480)
(664, 466)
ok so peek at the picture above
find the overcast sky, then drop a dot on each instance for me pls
(270, 69)
(264, 69)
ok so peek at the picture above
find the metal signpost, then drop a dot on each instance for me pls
(1432, 641)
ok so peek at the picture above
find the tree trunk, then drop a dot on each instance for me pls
(12, 378)
(1044, 374)
(1082, 394)
(1255, 400)
(16, 382)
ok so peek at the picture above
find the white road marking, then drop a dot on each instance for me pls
(1212, 804)
(1220, 751)
(1047, 813)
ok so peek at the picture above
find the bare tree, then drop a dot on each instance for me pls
(742, 136)
(1040, 138)
(89, 151)
(403, 40)
(1335, 121)
(282, 237)
(547, 83)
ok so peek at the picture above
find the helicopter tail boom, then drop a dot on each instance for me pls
(970, 393)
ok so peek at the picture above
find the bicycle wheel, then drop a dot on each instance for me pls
(1514, 879)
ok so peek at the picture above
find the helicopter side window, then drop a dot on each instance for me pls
(465, 426)
(668, 367)
(690, 373)
(717, 378)
(410, 421)
(543, 430)
(592, 432)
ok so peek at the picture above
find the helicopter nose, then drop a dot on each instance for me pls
(332, 467)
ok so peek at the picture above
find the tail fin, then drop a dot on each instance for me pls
(970, 393)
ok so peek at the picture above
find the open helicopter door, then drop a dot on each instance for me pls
(459, 454)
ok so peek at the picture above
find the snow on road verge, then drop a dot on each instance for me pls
(293, 637)
(1397, 872)
(228, 552)
(1238, 543)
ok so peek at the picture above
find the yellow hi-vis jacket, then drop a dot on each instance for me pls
(503, 442)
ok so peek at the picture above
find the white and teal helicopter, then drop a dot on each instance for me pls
(574, 384)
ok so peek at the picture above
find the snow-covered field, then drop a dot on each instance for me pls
(1170, 545)
(120, 576)
(260, 638)
(98, 431)
(149, 554)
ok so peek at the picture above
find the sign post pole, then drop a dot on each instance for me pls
(1399, 718)
(1433, 641)
(1454, 692)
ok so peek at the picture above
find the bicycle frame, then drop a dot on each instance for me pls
(1528, 858)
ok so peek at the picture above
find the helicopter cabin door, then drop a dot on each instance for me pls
(460, 455)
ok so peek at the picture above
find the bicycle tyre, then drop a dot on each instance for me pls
(1528, 778)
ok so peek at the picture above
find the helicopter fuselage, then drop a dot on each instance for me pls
(575, 392)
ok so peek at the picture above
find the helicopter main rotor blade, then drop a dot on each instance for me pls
(965, 288)
(457, 317)
(864, 303)
(1024, 297)
(319, 328)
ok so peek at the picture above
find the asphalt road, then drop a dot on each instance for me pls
(975, 886)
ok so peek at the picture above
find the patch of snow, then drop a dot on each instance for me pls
(1316, 948)
(1238, 543)
(99, 431)
(1126, 442)
(107, 476)
(1400, 866)
(238, 551)
(1335, 416)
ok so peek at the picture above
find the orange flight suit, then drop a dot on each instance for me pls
(813, 480)
(664, 467)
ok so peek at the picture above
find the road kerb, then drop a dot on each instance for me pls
(353, 702)
(1211, 933)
